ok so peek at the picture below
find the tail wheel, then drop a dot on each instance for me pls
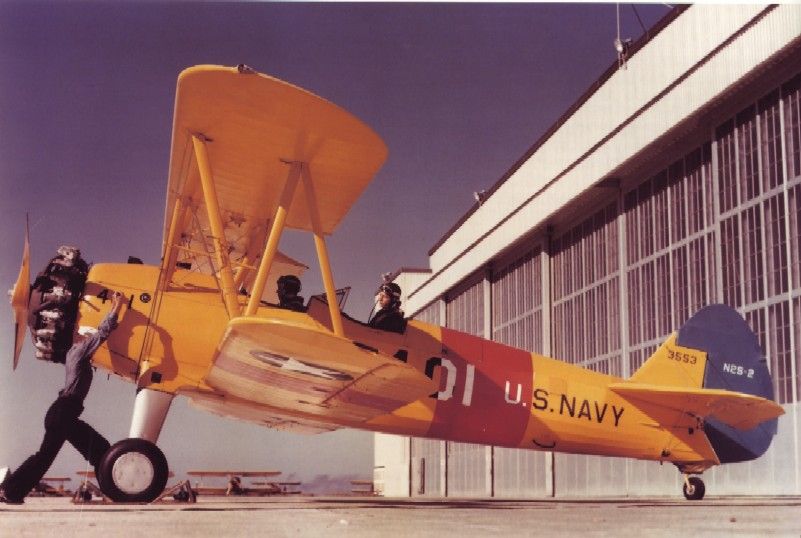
(133, 470)
(694, 489)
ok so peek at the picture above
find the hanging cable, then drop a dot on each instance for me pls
(621, 45)
(636, 14)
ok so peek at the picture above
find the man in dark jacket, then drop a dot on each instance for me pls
(288, 289)
(61, 421)
(389, 317)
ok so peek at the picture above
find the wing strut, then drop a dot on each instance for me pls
(322, 253)
(217, 228)
(275, 235)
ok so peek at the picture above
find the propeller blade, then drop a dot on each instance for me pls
(20, 296)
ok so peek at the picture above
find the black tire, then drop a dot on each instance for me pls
(696, 489)
(133, 470)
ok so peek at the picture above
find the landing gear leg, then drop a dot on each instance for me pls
(694, 488)
(150, 410)
(134, 469)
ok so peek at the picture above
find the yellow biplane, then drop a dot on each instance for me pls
(252, 156)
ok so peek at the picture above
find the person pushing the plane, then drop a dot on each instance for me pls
(61, 421)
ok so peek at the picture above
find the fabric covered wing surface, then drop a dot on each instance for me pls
(309, 371)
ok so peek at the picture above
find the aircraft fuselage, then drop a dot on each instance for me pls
(482, 391)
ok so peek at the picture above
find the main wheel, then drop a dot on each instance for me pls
(694, 489)
(133, 470)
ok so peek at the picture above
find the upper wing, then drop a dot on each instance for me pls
(736, 409)
(310, 373)
(254, 125)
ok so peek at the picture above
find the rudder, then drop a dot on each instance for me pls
(734, 362)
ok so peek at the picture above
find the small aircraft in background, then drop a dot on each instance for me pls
(253, 155)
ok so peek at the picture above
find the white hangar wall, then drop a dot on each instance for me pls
(674, 183)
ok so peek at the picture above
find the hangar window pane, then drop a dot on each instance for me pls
(663, 295)
(613, 309)
(578, 259)
(756, 320)
(661, 219)
(776, 246)
(635, 314)
(556, 270)
(680, 285)
(678, 206)
(564, 268)
(797, 356)
(538, 338)
(792, 126)
(516, 297)
(695, 194)
(612, 238)
(697, 275)
(567, 332)
(646, 218)
(556, 331)
(600, 320)
(582, 331)
(578, 334)
(711, 280)
(752, 255)
(648, 303)
(465, 312)
(632, 228)
(591, 323)
(770, 133)
(706, 173)
(635, 360)
(730, 254)
(780, 352)
(795, 234)
(727, 167)
(588, 252)
(429, 314)
(747, 153)
(600, 245)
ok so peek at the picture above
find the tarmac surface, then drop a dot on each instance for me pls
(371, 516)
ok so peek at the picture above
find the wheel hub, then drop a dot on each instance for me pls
(132, 472)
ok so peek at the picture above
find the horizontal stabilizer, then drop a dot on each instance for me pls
(741, 411)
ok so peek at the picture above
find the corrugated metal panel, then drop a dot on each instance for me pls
(428, 468)
(468, 470)
(775, 473)
(522, 473)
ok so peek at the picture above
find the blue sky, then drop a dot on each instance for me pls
(459, 92)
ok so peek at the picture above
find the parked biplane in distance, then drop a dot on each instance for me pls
(253, 155)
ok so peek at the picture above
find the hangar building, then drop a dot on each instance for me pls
(674, 182)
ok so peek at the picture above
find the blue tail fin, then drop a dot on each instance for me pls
(735, 362)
